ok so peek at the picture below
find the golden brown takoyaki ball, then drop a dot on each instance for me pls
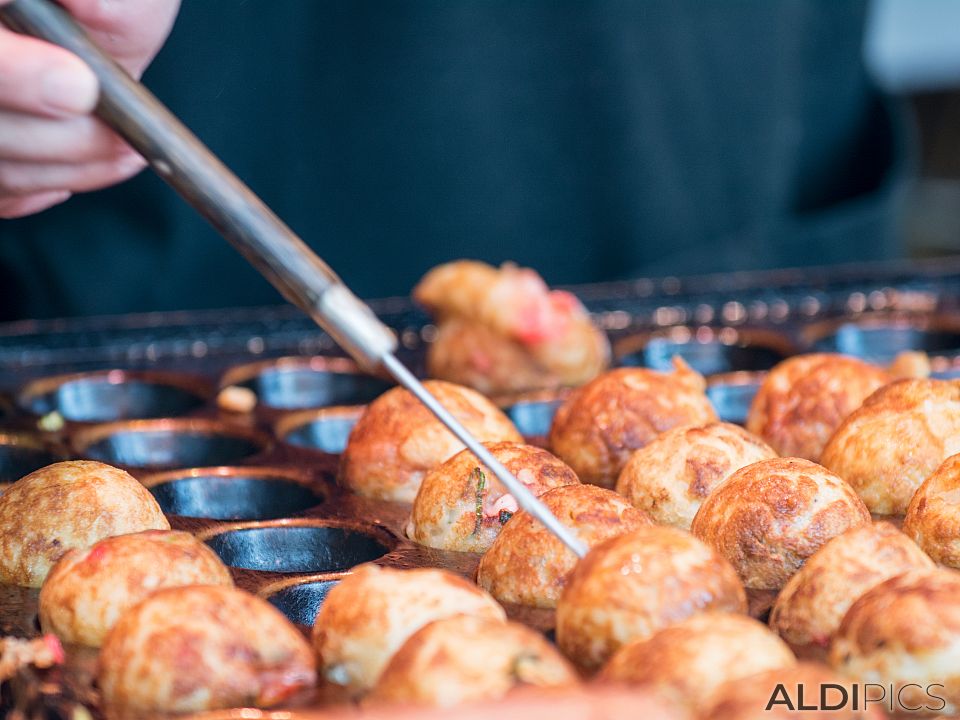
(87, 590)
(775, 695)
(369, 614)
(397, 439)
(202, 647)
(933, 516)
(769, 517)
(687, 661)
(803, 400)
(64, 506)
(603, 422)
(629, 587)
(462, 506)
(527, 565)
(670, 477)
(502, 330)
(811, 605)
(467, 658)
(906, 632)
(895, 440)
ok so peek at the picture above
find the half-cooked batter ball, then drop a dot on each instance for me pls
(811, 605)
(776, 695)
(467, 658)
(687, 661)
(462, 506)
(933, 516)
(502, 330)
(906, 632)
(64, 506)
(528, 565)
(670, 477)
(629, 587)
(603, 422)
(895, 441)
(803, 400)
(769, 517)
(369, 614)
(397, 440)
(202, 647)
(87, 590)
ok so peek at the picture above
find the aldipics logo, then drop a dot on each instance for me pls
(859, 698)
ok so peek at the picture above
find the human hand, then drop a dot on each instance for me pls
(50, 144)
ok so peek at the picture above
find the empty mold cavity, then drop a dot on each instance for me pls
(168, 444)
(706, 350)
(882, 343)
(295, 383)
(301, 602)
(533, 417)
(233, 494)
(296, 548)
(19, 458)
(115, 395)
(732, 398)
(324, 430)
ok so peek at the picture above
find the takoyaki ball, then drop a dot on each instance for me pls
(397, 439)
(895, 441)
(687, 661)
(769, 517)
(64, 506)
(776, 695)
(603, 422)
(906, 632)
(527, 565)
(629, 587)
(87, 590)
(369, 614)
(803, 400)
(670, 477)
(469, 353)
(202, 647)
(811, 605)
(503, 330)
(933, 516)
(467, 658)
(462, 506)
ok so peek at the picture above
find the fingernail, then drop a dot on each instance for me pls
(70, 88)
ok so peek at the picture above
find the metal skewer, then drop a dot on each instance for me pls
(243, 219)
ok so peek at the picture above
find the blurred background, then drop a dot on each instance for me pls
(913, 50)
(591, 141)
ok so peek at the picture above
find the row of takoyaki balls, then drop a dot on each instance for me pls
(653, 435)
(761, 524)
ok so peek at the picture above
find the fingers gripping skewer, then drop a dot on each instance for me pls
(243, 219)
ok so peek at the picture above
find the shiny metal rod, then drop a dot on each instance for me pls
(191, 169)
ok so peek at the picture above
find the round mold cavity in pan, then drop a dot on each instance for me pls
(297, 383)
(114, 395)
(879, 339)
(298, 546)
(709, 351)
(169, 443)
(532, 413)
(235, 493)
(731, 394)
(21, 454)
(299, 599)
(325, 430)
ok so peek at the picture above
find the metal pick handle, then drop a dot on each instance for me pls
(243, 219)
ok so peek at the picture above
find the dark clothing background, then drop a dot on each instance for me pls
(590, 140)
